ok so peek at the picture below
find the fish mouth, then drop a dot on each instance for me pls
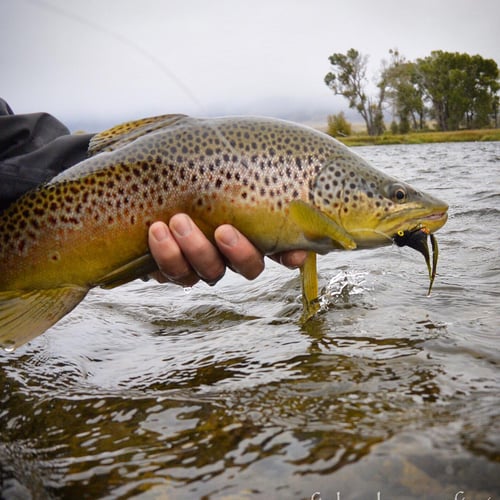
(439, 217)
(431, 222)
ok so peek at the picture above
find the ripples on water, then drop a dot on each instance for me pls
(150, 392)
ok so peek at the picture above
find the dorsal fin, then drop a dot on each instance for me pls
(122, 134)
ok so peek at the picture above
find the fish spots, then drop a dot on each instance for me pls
(227, 155)
(347, 187)
(21, 243)
(54, 256)
(254, 161)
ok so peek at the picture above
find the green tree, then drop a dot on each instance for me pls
(481, 89)
(348, 78)
(462, 89)
(404, 91)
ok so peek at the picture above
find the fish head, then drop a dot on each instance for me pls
(372, 207)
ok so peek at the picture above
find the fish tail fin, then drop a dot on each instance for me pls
(27, 314)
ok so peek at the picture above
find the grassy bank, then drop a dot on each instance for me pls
(423, 137)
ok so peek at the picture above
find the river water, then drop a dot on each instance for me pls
(150, 391)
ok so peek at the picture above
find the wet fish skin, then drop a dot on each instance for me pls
(283, 185)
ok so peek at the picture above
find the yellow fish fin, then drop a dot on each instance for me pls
(317, 225)
(309, 282)
(27, 314)
(122, 134)
(132, 270)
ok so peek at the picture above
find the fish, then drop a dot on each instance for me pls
(284, 185)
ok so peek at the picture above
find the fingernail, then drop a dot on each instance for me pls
(216, 280)
(181, 225)
(159, 231)
(228, 236)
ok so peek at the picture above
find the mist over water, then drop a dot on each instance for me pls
(145, 391)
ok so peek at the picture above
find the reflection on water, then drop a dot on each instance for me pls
(149, 392)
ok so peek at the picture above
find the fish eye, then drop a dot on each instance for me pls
(399, 193)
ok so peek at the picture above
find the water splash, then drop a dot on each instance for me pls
(9, 347)
(341, 288)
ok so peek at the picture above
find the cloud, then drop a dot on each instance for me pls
(104, 61)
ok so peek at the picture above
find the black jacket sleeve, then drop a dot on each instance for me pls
(34, 148)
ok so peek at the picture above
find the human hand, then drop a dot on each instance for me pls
(184, 255)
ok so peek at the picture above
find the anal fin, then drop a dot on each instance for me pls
(26, 314)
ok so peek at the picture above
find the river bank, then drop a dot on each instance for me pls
(422, 137)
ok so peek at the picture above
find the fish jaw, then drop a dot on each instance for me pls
(431, 222)
(430, 218)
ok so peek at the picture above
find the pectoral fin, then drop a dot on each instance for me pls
(27, 314)
(122, 134)
(316, 225)
(309, 281)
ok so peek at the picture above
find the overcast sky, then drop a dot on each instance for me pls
(103, 61)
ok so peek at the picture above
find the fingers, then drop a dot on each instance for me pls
(172, 266)
(242, 256)
(292, 259)
(183, 253)
(203, 257)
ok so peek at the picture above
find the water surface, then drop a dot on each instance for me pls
(147, 391)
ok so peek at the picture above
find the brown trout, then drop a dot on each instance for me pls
(283, 185)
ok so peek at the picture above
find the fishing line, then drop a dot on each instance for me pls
(125, 41)
(138, 49)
